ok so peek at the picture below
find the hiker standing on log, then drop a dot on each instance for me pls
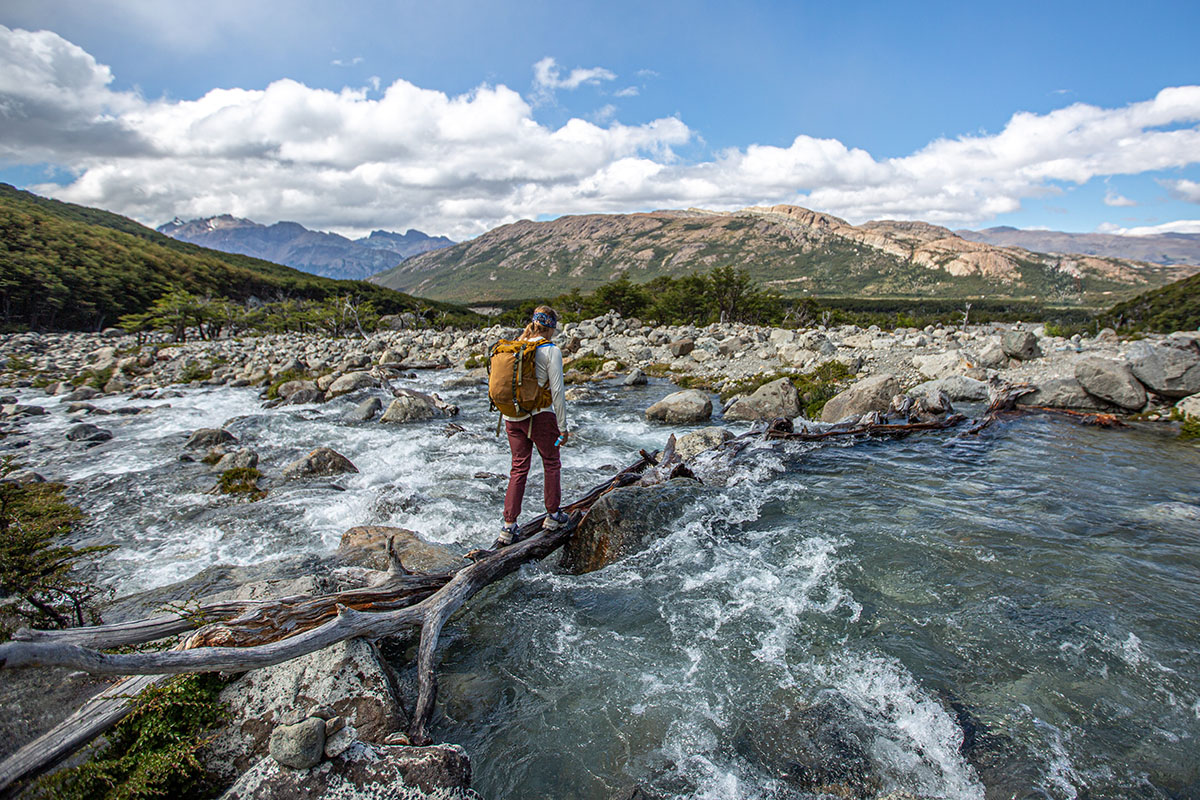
(534, 411)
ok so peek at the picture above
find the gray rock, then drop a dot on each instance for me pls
(1170, 368)
(730, 345)
(1021, 345)
(366, 410)
(22, 410)
(778, 398)
(689, 405)
(338, 741)
(956, 387)
(208, 437)
(624, 521)
(635, 378)
(322, 461)
(681, 347)
(304, 397)
(1189, 406)
(286, 390)
(351, 382)
(874, 393)
(991, 356)
(346, 679)
(692, 444)
(299, 746)
(939, 365)
(1112, 381)
(83, 394)
(245, 458)
(86, 432)
(1063, 393)
(365, 772)
(408, 408)
(366, 546)
(23, 476)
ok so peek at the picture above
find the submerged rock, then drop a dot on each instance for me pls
(624, 521)
(366, 410)
(365, 772)
(870, 394)
(322, 461)
(209, 437)
(689, 405)
(86, 432)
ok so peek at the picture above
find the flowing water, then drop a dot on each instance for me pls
(1012, 615)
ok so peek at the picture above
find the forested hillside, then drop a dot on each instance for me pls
(65, 266)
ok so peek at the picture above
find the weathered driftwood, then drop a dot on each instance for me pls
(93, 718)
(448, 409)
(1003, 399)
(870, 429)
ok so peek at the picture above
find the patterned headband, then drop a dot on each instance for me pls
(544, 319)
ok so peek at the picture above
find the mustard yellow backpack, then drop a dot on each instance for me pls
(513, 389)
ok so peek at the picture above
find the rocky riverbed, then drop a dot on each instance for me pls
(105, 391)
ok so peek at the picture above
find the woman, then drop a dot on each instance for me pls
(542, 430)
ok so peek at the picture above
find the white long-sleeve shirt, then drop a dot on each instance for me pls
(548, 365)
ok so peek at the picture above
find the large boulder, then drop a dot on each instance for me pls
(366, 546)
(1112, 381)
(1063, 393)
(1170, 368)
(322, 461)
(408, 408)
(681, 347)
(624, 521)
(778, 398)
(1021, 345)
(939, 365)
(956, 387)
(351, 382)
(874, 393)
(991, 355)
(364, 772)
(346, 679)
(689, 405)
(696, 442)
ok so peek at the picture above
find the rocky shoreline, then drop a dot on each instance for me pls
(1145, 376)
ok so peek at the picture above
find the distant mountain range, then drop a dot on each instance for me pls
(1164, 248)
(796, 251)
(317, 252)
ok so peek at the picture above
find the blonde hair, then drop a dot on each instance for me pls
(535, 330)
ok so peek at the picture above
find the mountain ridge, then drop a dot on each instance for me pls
(322, 253)
(798, 251)
(1164, 248)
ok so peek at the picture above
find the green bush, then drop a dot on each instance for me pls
(152, 753)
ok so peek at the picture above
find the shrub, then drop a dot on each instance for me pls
(154, 752)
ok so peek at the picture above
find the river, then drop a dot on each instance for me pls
(1010, 615)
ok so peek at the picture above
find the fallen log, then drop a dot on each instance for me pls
(871, 429)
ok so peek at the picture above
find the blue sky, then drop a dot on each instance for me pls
(454, 117)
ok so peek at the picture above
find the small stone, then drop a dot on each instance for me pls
(366, 410)
(208, 438)
(635, 378)
(299, 746)
(337, 742)
(244, 458)
(86, 432)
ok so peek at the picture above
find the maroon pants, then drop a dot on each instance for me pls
(540, 430)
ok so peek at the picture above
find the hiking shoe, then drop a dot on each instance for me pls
(555, 520)
(507, 532)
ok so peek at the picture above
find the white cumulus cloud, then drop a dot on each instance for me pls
(1117, 200)
(1188, 191)
(399, 155)
(1178, 226)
